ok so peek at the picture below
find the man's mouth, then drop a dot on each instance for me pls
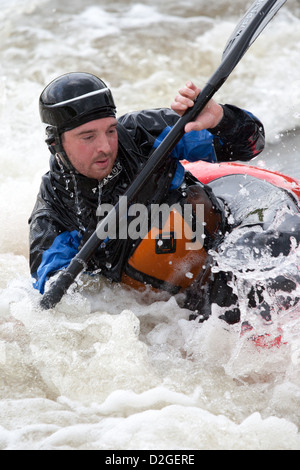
(102, 162)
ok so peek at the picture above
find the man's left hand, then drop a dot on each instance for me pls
(209, 117)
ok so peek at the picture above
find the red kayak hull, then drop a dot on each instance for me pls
(207, 172)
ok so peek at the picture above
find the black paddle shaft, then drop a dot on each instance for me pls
(248, 29)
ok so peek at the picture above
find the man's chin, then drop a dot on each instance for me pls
(101, 172)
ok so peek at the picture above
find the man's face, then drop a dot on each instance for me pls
(92, 148)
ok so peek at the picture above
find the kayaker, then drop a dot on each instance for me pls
(95, 157)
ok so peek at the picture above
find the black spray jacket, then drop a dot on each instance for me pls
(64, 215)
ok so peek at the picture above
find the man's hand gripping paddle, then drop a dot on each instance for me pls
(247, 30)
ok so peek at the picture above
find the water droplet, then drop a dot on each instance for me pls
(189, 275)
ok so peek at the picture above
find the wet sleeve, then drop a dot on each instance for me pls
(148, 128)
(50, 250)
(239, 136)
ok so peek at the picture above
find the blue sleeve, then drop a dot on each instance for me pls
(58, 256)
(194, 146)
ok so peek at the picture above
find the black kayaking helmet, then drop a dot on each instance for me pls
(71, 100)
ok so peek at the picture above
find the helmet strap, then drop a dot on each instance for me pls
(56, 148)
(62, 156)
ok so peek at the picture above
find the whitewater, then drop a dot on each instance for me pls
(109, 368)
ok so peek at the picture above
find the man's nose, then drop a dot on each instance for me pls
(103, 144)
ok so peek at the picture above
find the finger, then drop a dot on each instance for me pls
(205, 121)
(187, 93)
(178, 108)
(200, 123)
(186, 101)
(181, 104)
(192, 87)
(193, 126)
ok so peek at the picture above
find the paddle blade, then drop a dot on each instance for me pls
(252, 24)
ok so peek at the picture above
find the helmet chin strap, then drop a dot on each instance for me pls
(56, 148)
(62, 156)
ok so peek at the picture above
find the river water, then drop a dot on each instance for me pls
(109, 368)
